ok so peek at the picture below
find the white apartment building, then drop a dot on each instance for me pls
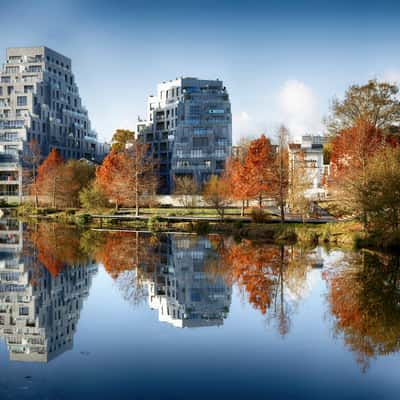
(310, 150)
(189, 129)
(39, 100)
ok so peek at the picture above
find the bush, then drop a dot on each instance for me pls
(92, 198)
(201, 227)
(155, 223)
(258, 215)
(84, 219)
(70, 211)
(238, 225)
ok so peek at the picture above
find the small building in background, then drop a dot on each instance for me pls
(310, 150)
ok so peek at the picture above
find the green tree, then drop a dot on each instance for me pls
(121, 138)
(216, 194)
(380, 196)
(92, 197)
(376, 103)
(186, 189)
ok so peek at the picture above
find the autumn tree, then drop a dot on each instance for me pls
(380, 195)
(186, 188)
(140, 172)
(110, 178)
(76, 175)
(376, 103)
(351, 151)
(280, 171)
(259, 159)
(298, 183)
(121, 138)
(49, 180)
(216, 194)
(31, 159)
(240, 188)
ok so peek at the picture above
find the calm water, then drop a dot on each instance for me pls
(101, 315)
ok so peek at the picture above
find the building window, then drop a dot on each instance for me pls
(12, 70)
(200, 141)
(34, 68)
(196, 153)
(22, 101)
(183, 163)
(24, 311)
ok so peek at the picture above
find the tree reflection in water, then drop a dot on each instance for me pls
(272, 277)
(364, 299)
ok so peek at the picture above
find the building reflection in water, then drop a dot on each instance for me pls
(185, 294)
(39, 310)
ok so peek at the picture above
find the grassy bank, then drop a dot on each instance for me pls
(347, 234)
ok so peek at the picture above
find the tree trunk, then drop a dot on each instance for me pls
(136, 192)
(242, 210)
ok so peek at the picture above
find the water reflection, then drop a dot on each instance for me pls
(46, 272)
(364, 301)
(41, 291)
(170, 271)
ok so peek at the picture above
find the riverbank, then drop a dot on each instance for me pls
(314, 231)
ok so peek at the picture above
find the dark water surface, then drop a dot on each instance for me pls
(97, 315)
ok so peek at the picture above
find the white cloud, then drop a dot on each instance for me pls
(298, 108)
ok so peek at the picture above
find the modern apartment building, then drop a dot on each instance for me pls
(39, 99)
(189, 129)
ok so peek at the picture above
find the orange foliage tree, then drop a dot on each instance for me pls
(351, 151)
(110, 177)
(49, 179)
(240, 188)
(258, 163)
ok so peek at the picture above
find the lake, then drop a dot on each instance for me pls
(134, 315)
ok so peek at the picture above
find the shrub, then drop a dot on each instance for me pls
(155, 223)
(92, 198)
(84, 219)
(258, 215)
(70, 211)
(201, 227)
(237, 225)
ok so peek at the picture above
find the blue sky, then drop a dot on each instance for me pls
(282, 61)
